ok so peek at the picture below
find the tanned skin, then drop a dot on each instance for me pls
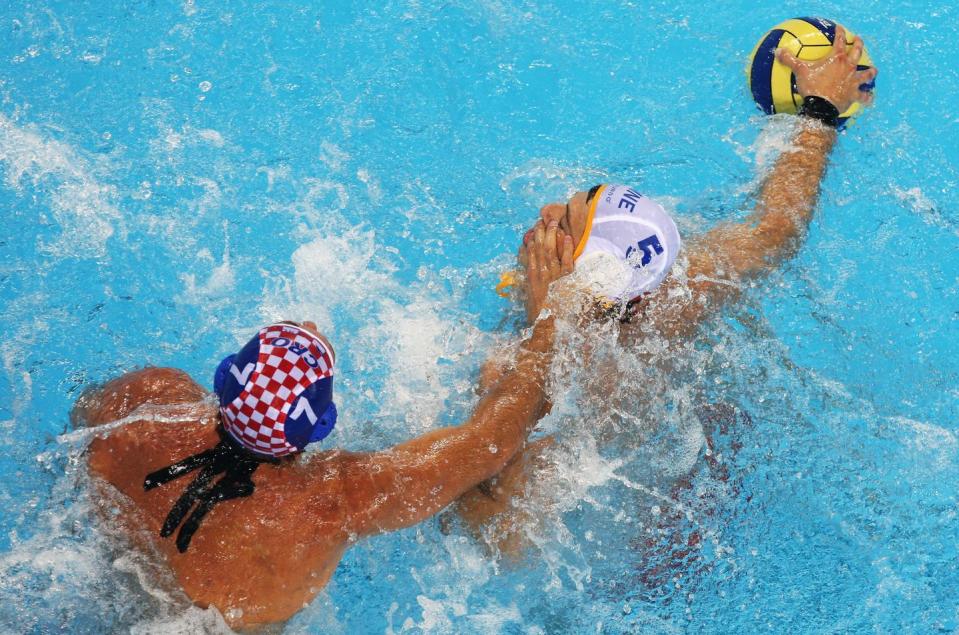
(261, 559)
(719, 263)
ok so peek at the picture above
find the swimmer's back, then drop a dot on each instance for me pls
(265, 555)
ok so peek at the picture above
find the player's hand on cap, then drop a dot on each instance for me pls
(548, 251)
(834, 77)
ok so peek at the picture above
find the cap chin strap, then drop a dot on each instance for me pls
(228, 458)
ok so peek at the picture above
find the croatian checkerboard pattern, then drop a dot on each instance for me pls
(290, 359)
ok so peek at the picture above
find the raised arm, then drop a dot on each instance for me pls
(733, 253)
(414, 480)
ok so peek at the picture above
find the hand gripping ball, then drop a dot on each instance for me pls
(773, 84)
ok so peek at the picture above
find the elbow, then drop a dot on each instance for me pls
(772, 243)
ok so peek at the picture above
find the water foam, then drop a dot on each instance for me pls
(218, 287)
(408, 357)
(540, 181)
(925, 208)
(447, 604)
(80, 203)
(335, 272)
(80, 571)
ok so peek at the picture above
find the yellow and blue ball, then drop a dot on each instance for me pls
(773, 84)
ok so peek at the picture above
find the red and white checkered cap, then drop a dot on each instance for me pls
(290, 359)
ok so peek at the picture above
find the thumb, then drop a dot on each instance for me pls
(788, 59)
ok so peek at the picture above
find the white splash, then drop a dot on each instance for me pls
(540, 181)
(373, 188)
(445, 601)
(775, 138)
(81, 205)
(413, 339)
(211, 136)
(218, 285)
(938, 447)
(602, 275)
(403, 341)
(334, 270)
(924, 207)
(333, 156)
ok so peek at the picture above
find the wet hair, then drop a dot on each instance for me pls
(592, 192)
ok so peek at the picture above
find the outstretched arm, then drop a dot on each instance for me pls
(414, 480)
(733, 253)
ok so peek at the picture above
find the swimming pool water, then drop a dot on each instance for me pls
(175, 173)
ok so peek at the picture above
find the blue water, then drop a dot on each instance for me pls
(174, 174)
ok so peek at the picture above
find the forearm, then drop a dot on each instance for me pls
(728, 254)
(422, 476)
(789, 195)
(506, 416)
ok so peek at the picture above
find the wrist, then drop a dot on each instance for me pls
(820, 109)
(541, 339)
(815, 136)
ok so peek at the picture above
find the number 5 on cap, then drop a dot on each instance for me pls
(647, 246)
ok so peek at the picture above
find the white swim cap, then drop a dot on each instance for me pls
(638, 232)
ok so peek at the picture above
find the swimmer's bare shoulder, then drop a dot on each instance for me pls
(261, 558)
(119, 399)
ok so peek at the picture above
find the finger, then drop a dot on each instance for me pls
(788, 59)
(527, 235)
(839, 40)
(866, 97)
(538, 249)
(856, 53)
(866, 76)
(567, 256)
(532, 262)
(551, 238)
(552, 260)
(522, 257)
(560, 237)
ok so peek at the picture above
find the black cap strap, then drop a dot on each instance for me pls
(820, 109)
(228, 458)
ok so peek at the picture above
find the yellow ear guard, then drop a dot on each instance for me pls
(506, 280)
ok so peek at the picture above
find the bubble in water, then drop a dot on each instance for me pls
(205, 86)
